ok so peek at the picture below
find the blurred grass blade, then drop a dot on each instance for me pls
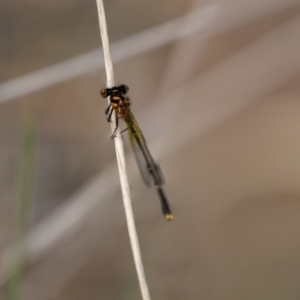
(24, 205)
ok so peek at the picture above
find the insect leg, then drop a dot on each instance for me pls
(110, 114)
(117, 126)
(107, 110)
(124, 130)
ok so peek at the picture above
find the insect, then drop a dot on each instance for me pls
(150, 171)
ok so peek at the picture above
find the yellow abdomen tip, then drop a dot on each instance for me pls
(169, 217)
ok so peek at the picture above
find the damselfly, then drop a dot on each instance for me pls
(150, 171)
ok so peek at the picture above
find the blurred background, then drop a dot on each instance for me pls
(215, 87)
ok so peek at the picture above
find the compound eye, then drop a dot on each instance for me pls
(103, 93)
(123, 88)
(126, 87)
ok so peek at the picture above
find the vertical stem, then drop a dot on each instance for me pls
(121, 162)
